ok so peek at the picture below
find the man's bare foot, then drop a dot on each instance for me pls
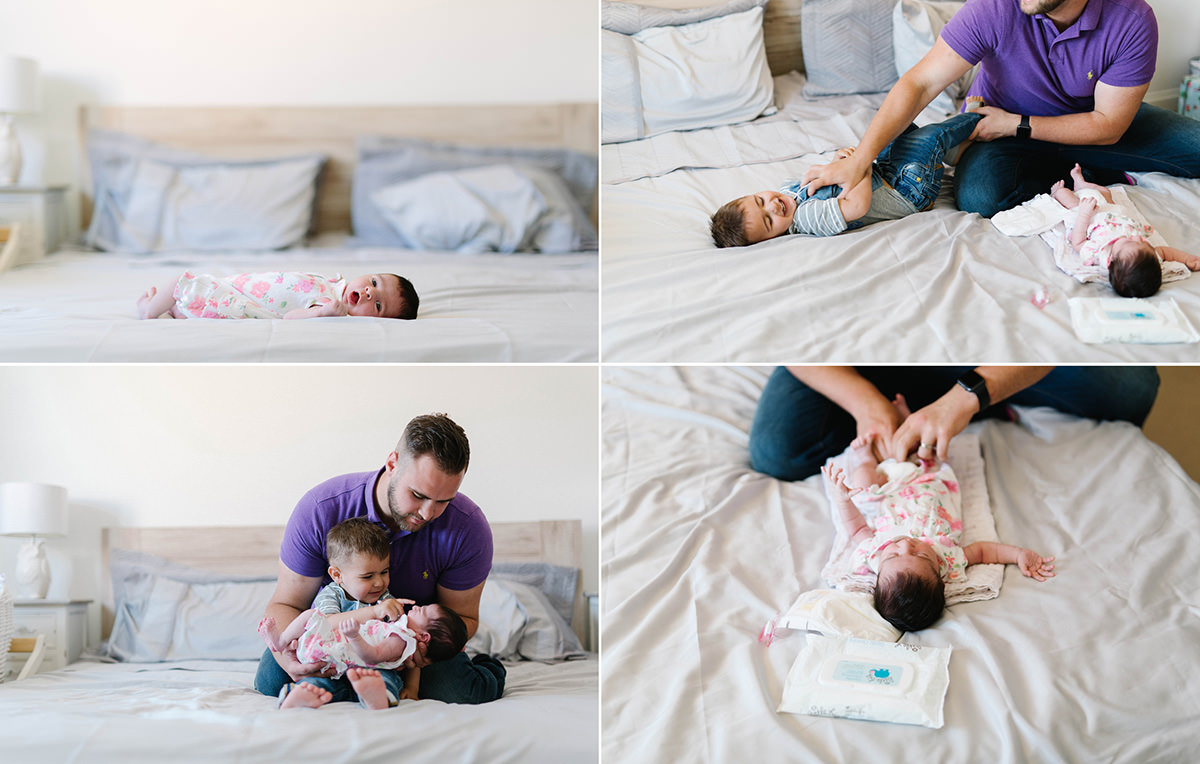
(306, 695)
(266, 627)
(369, 686)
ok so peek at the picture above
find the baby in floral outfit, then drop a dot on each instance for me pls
(915, 544)
(1104, 235)
(280, 294)
(359, 630)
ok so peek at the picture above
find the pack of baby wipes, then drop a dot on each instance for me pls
(1118, 319)
(863, 679)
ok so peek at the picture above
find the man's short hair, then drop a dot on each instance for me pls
(447, 635)
(357, 535)
(439, 436)
(409, 299)
(910, 602)
(1139, 276)
(727, 227)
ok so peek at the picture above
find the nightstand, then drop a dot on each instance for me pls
(42, 213)
(65, 625)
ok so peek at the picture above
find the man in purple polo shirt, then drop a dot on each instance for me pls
(441, 552)
(1063, 81)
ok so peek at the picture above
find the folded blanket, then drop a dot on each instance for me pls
(1042, 216)
(982, 582)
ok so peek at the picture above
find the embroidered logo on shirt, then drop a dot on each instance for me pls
(1091, 74)
(425, 575)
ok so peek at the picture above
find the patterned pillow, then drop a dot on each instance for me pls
(847, 46)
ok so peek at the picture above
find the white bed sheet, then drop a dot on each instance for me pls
(81, 306)
(1101, 663)
(208, 711)
(939, 286)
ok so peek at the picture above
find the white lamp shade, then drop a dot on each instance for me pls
(18, 85)
(33, 509)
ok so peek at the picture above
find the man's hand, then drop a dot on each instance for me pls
(288, 661)
(419, 659)
(1034, 566)
(996, 123)
(846, 172)
(928, 431)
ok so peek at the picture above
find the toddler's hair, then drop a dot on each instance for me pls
(410, 300)
(910, 602)
(447, 635)
(726, 227)
(1138, 276)
(357, 535)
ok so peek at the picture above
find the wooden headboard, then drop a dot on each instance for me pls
(269, 131)
(254, 550)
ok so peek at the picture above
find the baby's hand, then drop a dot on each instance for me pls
(330, 308)
(836, 478)
(1034, 565)
(1087, 206)
(349, 627)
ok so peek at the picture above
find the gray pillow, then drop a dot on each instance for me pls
(154, 198)
(497, 208)
(385, 161)
(847, 46)
(164, 611)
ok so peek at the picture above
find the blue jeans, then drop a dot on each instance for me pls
(1000, 174)
(912, 164)
(458, 680)
(796, 429)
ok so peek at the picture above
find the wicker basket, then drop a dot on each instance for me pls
(6, 627)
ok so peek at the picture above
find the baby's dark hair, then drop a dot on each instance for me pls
(1137, 276)
(357, 535)
(447, 635)
(409, 299)
(726, 226)
(910, 602)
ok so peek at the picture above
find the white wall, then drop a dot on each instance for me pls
(239, 445)
(291, 52)
(1178, 41)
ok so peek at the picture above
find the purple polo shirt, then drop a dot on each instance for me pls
(1028, 67)
(454, 551)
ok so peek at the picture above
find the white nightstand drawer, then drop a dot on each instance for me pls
(32, 624)
(62, 624)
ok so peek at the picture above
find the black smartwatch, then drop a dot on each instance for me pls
(1024, 131)
(973, 383)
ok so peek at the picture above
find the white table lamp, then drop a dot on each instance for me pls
(35, 510)
(18, 95)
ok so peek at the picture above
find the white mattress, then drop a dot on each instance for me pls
(938, 286)
(208, 711)
(81, 306)
(1101, 663)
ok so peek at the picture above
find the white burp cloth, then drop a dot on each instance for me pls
(862, 679)
(832, 611)
(1097, 320)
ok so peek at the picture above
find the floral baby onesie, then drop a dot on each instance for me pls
(1108, 224)
(919, 504)
(253, 295)
(321, 642)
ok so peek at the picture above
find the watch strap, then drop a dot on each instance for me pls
(1024, 131)
(973, 383)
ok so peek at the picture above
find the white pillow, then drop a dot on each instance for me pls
(703, 74)
(164, 611)
(502, 621)
(916, 25)
(517, 621)
(497, 208)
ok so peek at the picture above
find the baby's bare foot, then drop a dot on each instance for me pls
(266, 627)
(369, 686)
(1077, 175)
(1059, 186)
(306, 695)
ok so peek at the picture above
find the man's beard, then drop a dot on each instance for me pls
(1043, 7)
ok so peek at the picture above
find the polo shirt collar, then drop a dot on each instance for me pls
(1087, 21)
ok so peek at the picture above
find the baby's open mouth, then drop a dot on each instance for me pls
(354, 298)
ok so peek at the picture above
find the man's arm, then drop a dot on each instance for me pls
(936, 424)
(1111, 116)
(293, 594)
(465, 602)
(874, 414)
(912, 93)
